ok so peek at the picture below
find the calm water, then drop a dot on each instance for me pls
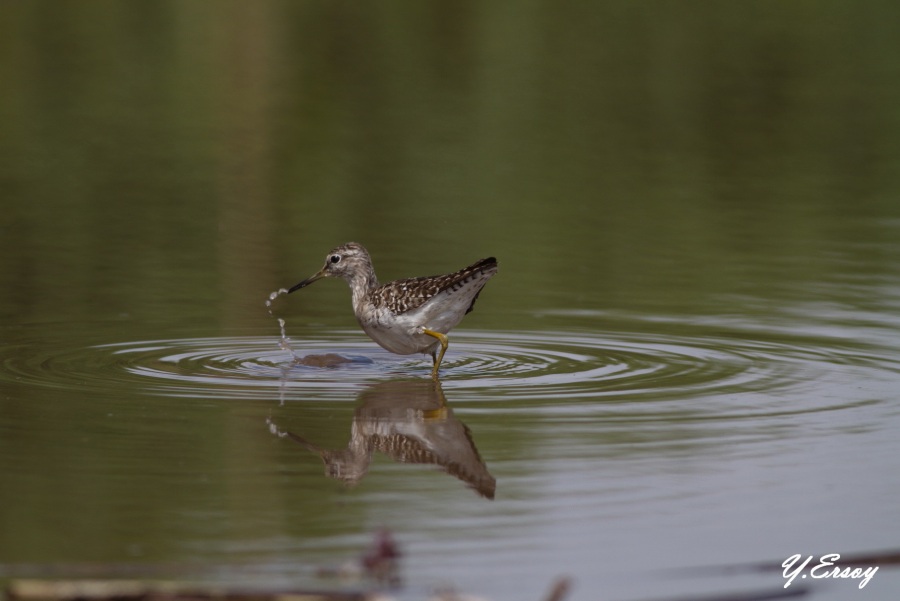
(687, 368)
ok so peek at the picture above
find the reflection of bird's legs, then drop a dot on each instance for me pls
(437, 358)
(441, 411)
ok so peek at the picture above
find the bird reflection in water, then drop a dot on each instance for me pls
(410, 422)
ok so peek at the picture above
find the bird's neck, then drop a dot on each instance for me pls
(361, 283)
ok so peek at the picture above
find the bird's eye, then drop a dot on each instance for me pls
(335, 258)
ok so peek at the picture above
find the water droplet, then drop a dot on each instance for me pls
(274, 429)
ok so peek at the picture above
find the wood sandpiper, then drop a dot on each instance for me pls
(411, 315)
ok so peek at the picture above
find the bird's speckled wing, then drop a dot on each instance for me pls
(401, 296)
(459, 459)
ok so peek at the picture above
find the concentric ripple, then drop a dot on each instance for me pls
(546, 365)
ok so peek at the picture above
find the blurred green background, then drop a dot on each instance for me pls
(658, 155)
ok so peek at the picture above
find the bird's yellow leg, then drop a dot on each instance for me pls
(442, 338)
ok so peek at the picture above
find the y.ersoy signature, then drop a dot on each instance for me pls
(825, 568)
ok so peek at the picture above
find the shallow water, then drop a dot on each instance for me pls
(686, 371)
(611, 452)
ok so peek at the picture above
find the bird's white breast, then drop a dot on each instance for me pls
(397, 333)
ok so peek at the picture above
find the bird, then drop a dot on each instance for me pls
(410, 315)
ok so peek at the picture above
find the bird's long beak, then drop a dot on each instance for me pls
(308, 281)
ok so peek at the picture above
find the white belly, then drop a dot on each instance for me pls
(398, 334)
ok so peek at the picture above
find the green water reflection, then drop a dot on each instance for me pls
(161, 153)
(725, 169)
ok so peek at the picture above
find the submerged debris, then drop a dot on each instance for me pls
(135, 590)
(382, 560)
(380, 563)
(326, 360)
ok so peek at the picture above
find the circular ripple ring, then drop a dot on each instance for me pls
(550, 367)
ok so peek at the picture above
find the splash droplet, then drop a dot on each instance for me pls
(274, 295)
(285, 343)
(274, 429)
